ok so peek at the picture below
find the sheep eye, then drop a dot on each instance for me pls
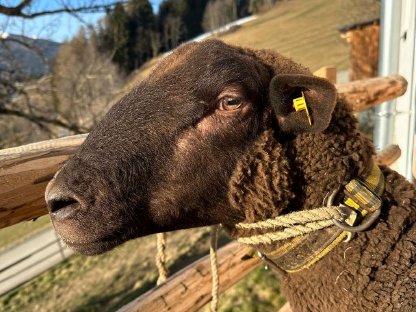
(230, 103)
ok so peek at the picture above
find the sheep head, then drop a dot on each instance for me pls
(165, 157)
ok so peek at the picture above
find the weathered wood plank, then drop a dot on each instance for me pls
(388, 155)
(365, 94)
(24, 174)
(25, 170)
(190, 288)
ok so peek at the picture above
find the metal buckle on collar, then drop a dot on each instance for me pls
(366, 223)
(364, 226)
(268, 262)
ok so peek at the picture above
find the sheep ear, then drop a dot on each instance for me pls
(320, 96)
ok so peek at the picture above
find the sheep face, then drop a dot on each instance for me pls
(161, 159)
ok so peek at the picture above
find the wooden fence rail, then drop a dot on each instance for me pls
(24, 174)
(365, 94)
(25, 171)
(190, 288)
(29, 258)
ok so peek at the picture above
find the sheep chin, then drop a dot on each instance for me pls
(93, 248)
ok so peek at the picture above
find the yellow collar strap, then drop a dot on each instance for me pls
(312, 234)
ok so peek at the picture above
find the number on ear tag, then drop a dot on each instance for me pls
(300, 105)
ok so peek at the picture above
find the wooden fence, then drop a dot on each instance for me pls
(22, 262)
(25, 172)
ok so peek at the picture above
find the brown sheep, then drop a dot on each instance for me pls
(211, 137)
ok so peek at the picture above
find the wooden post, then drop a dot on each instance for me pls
(327, 72)
(190, 288)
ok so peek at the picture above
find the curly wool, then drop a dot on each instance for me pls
(281, 174)
(262, 181)
(376, 271)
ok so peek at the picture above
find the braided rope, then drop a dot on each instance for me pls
(297, 230)
(161, 258)
(294, 224)
(214, 268)
(298, 217)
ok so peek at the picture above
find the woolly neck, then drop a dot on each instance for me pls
(280, 174)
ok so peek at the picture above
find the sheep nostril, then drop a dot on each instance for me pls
(61, 203)
(62, 208)
(58, 204)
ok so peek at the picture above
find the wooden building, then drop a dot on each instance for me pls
(363, 39)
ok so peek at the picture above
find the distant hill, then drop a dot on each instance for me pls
(304, 30)
(30, 57)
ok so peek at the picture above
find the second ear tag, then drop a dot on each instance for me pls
(300, 105)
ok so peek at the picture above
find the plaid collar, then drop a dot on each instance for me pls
(362, 204)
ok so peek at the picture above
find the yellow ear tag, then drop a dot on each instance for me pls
(300, 104)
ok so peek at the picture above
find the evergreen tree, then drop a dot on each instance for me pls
(132, 33)
(242, 8)
(142, 24)
(170, 24)
(192, 17)
(115, 36)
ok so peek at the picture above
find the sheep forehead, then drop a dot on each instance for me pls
(194, 58)
(171, 62)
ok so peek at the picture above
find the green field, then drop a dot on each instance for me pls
(305, 30)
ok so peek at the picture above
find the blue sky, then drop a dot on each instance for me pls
(57, 27)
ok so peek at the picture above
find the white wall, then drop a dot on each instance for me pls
(396, 120)
(404, 117)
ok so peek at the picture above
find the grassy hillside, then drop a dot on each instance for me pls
(305, 30)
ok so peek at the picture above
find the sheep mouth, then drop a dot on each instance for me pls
(94, 247)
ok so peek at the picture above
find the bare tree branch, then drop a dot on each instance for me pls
(18, 11)
(40, 120)
(73, 97)
(14, 11)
